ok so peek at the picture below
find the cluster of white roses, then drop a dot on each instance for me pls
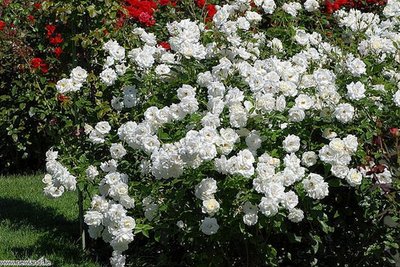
(107, 216)
(145, 57)
(108, 220)
(114, 65)
(74, 83)
(272, 183)
(205, 191)
(338, 154)
(298, 88)
(185, 39)
(98, 133)
(58, 178)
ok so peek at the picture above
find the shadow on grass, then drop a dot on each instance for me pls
(58, 237)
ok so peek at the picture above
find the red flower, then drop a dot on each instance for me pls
(6, 2)
(146, 19)
(56, 40)
(36, 62)
(165, 45)
(31, 18)
(44, 68)
(62, 98)
(37, 5)
(58, 51)
(142, 11)
(211, 11)
(394, 131)
(50, 29)
(2, 25)
(201, 3)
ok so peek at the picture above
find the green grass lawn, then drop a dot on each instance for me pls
(33, 226)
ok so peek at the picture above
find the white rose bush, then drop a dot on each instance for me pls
(256, 119)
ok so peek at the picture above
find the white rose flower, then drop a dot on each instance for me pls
(296, 114)
(121, 69)
(340, 171)
(291, 8)
(384, 177)
(280, 103)
(209, 226)
(290, 200)
(96, 137)
(354, 177)
(151, 211)
(51, 155)
(304, 101)
(206, 189)
(296, 215)
(79, 75)
(311, 5)
(243, 24)
(301, 37)
(103, 127)
(337, 145)
(309, 158)
(253, 141)
(88, 128)
(117, 151)
(356, 67)
(350, 143)
(93, 218)
(91, 172)
(117, 52)
(344, 113)
(162, 70)
(268, 6)
(253, 16)
(53, 191)
(276, 45)
(65, 85)
(315, 186)
(95, 231)
(249, 208)
(109, 166)
(355, 91)
(269, 206)
(210, 206)
(127, 201)
(108, 76)
(250, 219)
(291, 143)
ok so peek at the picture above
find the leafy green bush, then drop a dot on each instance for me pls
(39, 41)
